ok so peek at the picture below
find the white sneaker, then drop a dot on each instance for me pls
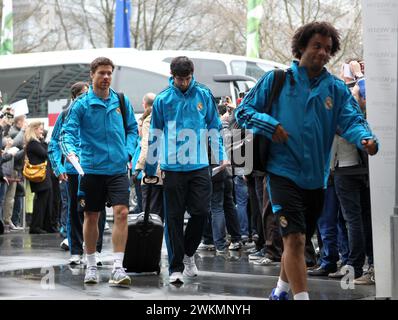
(75, 259)
(264, 262)
(106, 227)
(91, 276)
(65, 244)
(209, 247)
(13, 227)
(98, 259)
(120, 277)
(176, 277)
(190, 269)
(235, 245)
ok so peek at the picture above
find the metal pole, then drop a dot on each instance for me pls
(394, 218)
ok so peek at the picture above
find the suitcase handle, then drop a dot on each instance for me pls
(145, 181)
(148, 199)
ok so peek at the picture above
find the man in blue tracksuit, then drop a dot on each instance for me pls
(107, 144)
(183, 117)
(69, 179)
(302, 124)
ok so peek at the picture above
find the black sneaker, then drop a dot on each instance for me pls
(320, 272)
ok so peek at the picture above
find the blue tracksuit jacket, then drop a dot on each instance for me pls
(173, 112)
(98, 125)
(310, 111)
(54, 149)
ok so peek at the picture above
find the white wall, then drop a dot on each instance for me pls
(380, 47)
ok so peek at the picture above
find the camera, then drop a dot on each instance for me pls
(222, 108)
(8, 115)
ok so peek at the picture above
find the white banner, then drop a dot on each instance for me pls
(380, 47)
(20, 107)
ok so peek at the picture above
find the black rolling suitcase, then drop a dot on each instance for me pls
(144, 242)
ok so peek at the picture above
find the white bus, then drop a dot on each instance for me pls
(45, 78)
(224, 74)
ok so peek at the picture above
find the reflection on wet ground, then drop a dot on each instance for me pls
(35, 267)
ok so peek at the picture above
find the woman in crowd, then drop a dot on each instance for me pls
(36, 151)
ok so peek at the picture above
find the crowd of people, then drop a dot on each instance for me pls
(315, 183)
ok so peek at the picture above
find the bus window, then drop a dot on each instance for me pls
(136, 83)
(18, 84)
(55, 88)
(46, 89)
(204, 71)
(248, 68)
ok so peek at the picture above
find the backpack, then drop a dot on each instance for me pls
(122, 102)
(241, 138)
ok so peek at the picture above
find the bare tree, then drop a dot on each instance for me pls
(207, 25)
(174, 24)
(1, 12)
(284, 17)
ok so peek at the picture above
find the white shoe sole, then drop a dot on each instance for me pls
(189, 275)
(123, 282)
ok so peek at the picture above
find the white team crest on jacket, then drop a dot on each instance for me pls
(118, 111)
(283, 221)
(200, 106)
(329, 103)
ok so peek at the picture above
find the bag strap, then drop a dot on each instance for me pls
(123, 110)
(277, 85)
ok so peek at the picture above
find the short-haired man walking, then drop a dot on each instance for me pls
(106, 148)
(184, 113)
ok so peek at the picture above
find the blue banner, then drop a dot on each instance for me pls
(122, 24)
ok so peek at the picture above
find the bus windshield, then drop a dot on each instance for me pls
(249, 68)
(47, 88)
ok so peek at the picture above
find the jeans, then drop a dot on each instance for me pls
(352, 192)
(138, 208)
(231, 216)
(241, 195)
(217, 215)
(17, 211)
(3, 188)
(333, 232)
(63, 186)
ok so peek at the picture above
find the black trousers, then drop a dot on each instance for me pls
(42, 210)
(185, 191)
(76, 219)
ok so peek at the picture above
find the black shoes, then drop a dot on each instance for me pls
(37, 231)
(52, 230)
(320, 272)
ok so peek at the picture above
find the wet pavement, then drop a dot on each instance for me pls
(35, 267)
